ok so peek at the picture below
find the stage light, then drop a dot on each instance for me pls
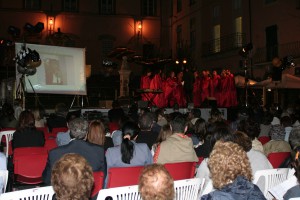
(246, 49)
(184, 61)
(177, 62)
(14, 31)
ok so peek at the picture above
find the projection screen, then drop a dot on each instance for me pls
(62, 70)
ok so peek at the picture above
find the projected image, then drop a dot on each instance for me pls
(55, 72)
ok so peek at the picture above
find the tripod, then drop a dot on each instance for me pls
(77, 97)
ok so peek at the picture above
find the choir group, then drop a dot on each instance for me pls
(167, 92)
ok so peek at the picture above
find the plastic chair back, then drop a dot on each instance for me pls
(188, 189)
(8, 138)
(120, 193)
(123, 176)
(264, 139)
(29, 163)
(39, 193)
(180, 171)
(277, 158)
(270, 178)
(98, 182)
(4, 177)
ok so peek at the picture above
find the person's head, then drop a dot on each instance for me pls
(72, 178)
(243, 140)
(178, 124)
(195, 113)
(78, 128)
(294, 138)
(146, 121)
(61, 109)
(226, 162)
(26, 120)
(155, 183)
(96, 133)
(215, 115)
(130, 131)
(250, 127)
(164, 133)
(200, 128)
(286, 121)
(219, 131)
(38, 113)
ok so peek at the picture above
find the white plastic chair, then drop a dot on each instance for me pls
(120, 193)
(8, 137)
(269, 178)
(41, 193)
(4, 178)
(207, 187)
(188, 189)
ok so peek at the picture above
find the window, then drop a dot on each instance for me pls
(179, 5)
(270, 1)
(32, 4)
(107, 7)
(216, 36)
(149, 7)
(70, 5)
(193, 33)
(238, 30)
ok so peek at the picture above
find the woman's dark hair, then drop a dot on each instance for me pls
(219, 131)
(132, 130)
(200, 129)
(250, 127)
(26, 120)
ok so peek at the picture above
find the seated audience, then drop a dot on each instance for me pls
(26, 134)
(96, 135)
(72, 178)
(63, 138)
(164, 133)
(178, 147)
(39, 114)
(129, 153)
(286, 122)
(155, 182)
(231, 174)
(277, 131)
(161, 119)
(199, 132)
(93, 153)
(194, 115)
(215, 116)
(58, 119)
(146, 134)
(257, 159)
(265, 126)
(7, 117)
(295, 191)
(251, 128)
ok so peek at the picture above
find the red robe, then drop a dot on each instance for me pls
(205, 82)
(197, 92)
(157, 99)
(170, 85)
(179, 94)
(232, 91)
(214, 88)
(145, 84)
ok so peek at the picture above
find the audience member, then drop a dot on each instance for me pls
(257, 159)
(93, 153)
(194, 115)
(72, 178)
(251, 128)
(18, 107)
(58, 119)
(7, 118)
(63, 138)
(265, 126)
(231, 174)
(243, 113)
(178, 147)
(155, 183)
(26, 134)
(286, 122)
(199, 132)
(164, 133)
(129, 153)
(161, 119)
(96, 135)
(146, 135)
(215, 116)
(39, 114)
(277, 131)
(115, 115)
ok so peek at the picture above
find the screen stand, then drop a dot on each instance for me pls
(79, 101)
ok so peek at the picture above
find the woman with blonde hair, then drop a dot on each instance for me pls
(231, 175)
(96, 135)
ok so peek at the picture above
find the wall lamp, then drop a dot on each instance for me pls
(51, 23)
(139, 27)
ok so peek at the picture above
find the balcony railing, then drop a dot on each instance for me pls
(223, 44)
(266, 54)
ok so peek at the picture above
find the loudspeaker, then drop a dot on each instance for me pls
(143, 104)
(209, 102)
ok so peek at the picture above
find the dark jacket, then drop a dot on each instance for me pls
(239, 189)
(28, 137)
(93, 153)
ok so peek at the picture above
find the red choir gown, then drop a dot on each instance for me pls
(214, 87)
(179, 94)
(232, 91)
(205, 82)
(157, 98)
(197, 92)
(223, 92)
(169, 88)
(145, 84)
